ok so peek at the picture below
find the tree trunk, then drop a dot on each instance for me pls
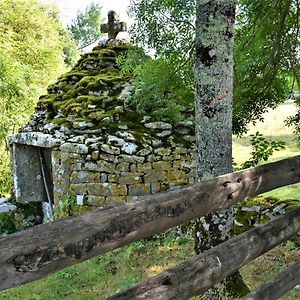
(214, 93)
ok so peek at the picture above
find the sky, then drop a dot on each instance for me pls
(69, 8)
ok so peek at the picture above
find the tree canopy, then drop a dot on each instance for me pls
(85, 28)
(265, 54)
(31, 56)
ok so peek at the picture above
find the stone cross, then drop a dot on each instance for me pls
(113, 26)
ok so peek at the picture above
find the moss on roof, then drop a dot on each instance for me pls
(89, 91)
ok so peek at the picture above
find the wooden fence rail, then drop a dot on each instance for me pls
(281, 284)
(38, 251)
(202, 272)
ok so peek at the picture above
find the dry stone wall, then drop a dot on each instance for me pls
(117, 167)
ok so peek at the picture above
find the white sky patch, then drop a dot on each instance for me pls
(68, 9)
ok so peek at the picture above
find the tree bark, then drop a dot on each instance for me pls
(214, 94)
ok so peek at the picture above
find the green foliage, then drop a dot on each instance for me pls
(291, 245)
(67, 207)
(85, 28)
(262, 149)
(159, 89)
(31, 56)
(265, 54)
(267, 35)
(7, 223)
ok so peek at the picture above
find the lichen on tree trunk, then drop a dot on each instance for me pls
(214, 93)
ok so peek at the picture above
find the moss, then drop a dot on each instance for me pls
(84, 81)
(71, 94)
(82, 90)
(103, 52)
(96, 100)
(235, 286)
(58, 121)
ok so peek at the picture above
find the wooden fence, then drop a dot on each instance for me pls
(47, 248)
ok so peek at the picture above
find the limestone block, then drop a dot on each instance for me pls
(145, 151)
(90, 166)
(74, 148)
(132, 198)
(139, 189)
(156, 143)
(79, 139)
(155, 187)
(108, 157)
(161, 165)
(164, 133)
(96, 200)
(104, 166)
(152, 158)
(129, 148)
(107, 189)
(189, 138)
(174, 175)
(180, 150)
(145, 167)
(113, 178)
(153, 176)
(158, 125)
(130, 158)
(110, 149)
(130, 179)
(162, 151)
(121, 167)
(116, 199)
(103, 177)
(133, 168)
(79, 188)
(77, 166)
(84, 177)
(95, 155)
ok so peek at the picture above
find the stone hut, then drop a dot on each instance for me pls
(84, 142)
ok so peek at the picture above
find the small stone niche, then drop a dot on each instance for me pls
(83, 140)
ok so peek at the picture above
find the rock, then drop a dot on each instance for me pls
(189, 138)
(129, 179)
(110, 149)
(158, 125)
(139, 189)
(164, 133)
(146, 119)
(153, 176)
(4, 208)
(145, 152)
(82, 125)
(129, 148)
(130, 158)
(75, 148)
(161, 165)
(106, 189)
(77, 139)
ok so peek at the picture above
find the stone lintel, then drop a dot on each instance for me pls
(34, 139)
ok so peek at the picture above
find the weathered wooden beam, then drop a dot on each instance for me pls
(197, 275)
(38, 251)
(279, 286)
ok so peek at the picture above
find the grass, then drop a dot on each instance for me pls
(108, 274)
(272, 128)
(103, 276)
(113, 272)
